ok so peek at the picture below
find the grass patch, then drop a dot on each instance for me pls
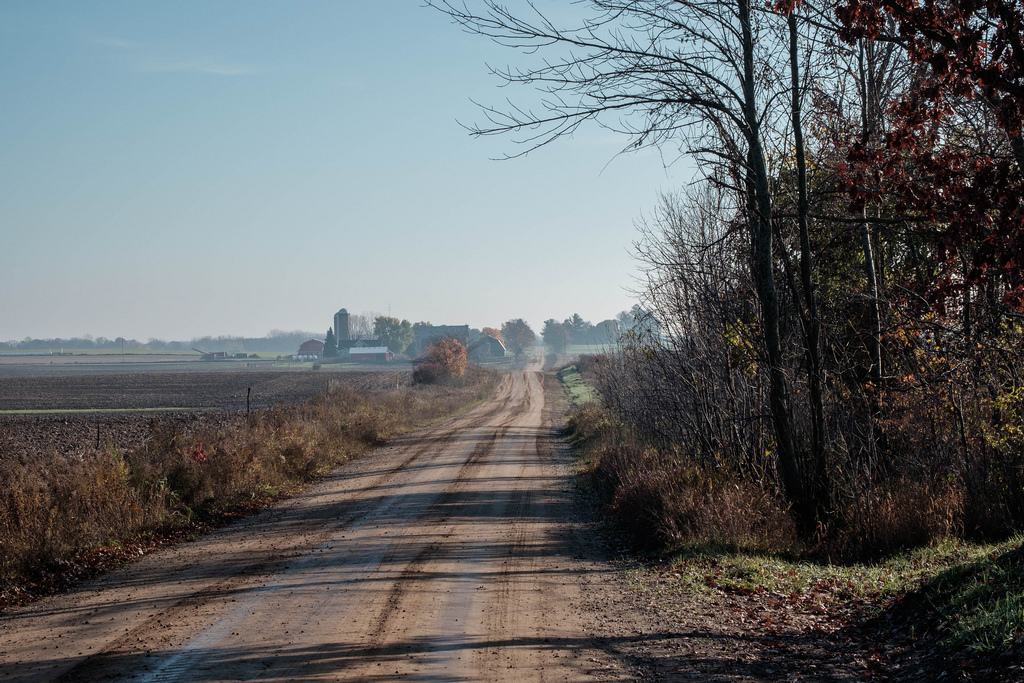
(59, 352)
(590, 349)
(973, 608)
(505, 363)
(954, 608)
(578, 390)
(127, 352)
(705, 569)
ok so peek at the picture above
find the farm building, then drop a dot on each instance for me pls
(212, 355)
(486, 347)
(370, 354)
(606, 332)
(311, 350)
(344, 344)
(428, 334)
(341, 326)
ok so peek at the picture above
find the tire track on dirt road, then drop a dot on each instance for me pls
(430, 550)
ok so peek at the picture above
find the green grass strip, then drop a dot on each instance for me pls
(579, 391)
(981, 604)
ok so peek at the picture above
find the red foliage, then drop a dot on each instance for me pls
(196, 454)
(966, 201)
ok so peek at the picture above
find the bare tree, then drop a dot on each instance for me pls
(699, 76)
(360, 325)
(698, 382)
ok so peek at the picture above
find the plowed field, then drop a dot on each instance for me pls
(82, 411)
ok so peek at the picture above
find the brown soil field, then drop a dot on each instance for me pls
(192, 400)
(63, 366)
(193, 390)
(71, 434)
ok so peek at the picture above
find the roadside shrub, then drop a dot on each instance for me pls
(931, 452)
(659, 500)
(590, 427)
(444, 360)
(52, 508)
(906, 515)
(590, 365)
(428, 373)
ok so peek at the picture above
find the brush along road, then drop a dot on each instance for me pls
(446, 557)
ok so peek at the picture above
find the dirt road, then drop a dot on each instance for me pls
(444, 557)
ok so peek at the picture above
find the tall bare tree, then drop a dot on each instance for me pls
(692, 75)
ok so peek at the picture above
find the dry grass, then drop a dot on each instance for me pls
(54, 508)
(907, 514)
(660, 499)
(663, 499)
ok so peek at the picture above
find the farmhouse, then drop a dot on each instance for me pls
(343, 336)
(486, 347)
(370, 354)
(311, 350)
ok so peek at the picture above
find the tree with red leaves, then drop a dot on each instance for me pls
(953, 162)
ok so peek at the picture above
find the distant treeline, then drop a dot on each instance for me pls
(275, 341)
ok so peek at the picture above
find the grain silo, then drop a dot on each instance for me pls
(341, 332)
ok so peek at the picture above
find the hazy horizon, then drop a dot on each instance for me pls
(270, 334)
(173, 171)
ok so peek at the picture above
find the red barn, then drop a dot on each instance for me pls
(313, 349)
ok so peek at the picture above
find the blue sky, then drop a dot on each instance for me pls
(172, 170)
